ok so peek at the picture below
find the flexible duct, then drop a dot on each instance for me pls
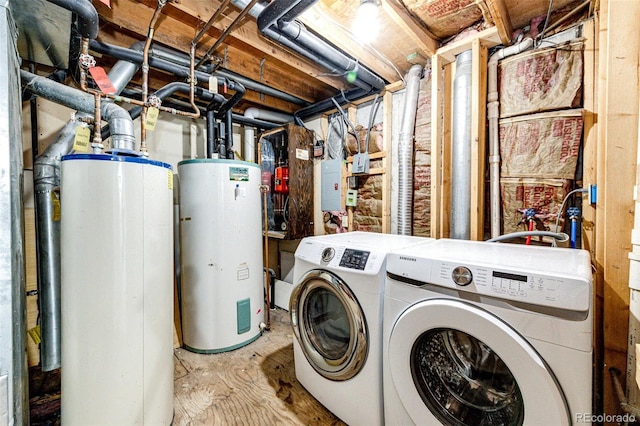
(461, 149)
(249, 132)
(46, 174)
(405, 151)
(493, 114)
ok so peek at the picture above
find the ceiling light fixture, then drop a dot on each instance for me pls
(365, 25)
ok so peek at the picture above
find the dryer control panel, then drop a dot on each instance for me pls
(354, 259)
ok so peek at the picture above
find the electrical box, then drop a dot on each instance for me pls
(352, 197)
(331, 186)
(361, 163)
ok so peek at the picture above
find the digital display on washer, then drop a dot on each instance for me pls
(508, 276)
(354, 259)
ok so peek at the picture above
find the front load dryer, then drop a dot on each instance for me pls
(336, 315)
(479, 333)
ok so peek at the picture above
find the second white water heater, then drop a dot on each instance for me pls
(221, 254)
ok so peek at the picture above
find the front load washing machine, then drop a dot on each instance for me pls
(479, 333)
(336, 315)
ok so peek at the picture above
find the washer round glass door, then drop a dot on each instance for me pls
(329, 325)
(455, 363)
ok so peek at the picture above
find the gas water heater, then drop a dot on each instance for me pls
(221, 254)
(117, 290)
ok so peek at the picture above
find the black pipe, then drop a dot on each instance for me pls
(162, 52)
(328, 104)
(228, 124)
(277, 22)
(225, 77)
(211, 131)
(87, 15)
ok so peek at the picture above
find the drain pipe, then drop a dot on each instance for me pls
(46, 174)
(405, 151)
(493, 114)
(249, 143)
(461, 149)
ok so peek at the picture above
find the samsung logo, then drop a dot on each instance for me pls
(409, 259)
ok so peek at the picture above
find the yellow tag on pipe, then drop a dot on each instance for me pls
(55, 207)
(152, 117)
(82, 139)
(34, 333)
(170, 180)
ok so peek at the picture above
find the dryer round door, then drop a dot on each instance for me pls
(455, 363)
(329, 325)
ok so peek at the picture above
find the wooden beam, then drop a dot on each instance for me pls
(501, 18)
(590, 176)
(436, 144)
(617, 148)
(488, 37)
(246, 49)
(412, 29)
(478, 137)
(387, 109)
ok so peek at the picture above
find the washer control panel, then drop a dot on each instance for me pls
(540, 289)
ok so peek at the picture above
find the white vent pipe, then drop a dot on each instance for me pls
(405, 151)
(493, 114)
(249, 131)
(461, 149)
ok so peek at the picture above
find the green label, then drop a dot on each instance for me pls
(239, 174)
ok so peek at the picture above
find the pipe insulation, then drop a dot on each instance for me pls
(461, 149)
(493, 114)
(405, 151)
(249, 143)
(88, 18)
(46, 175)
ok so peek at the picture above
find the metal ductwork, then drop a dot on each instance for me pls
(461, 149)
(46, 183)
(14, 383)
(405, 151)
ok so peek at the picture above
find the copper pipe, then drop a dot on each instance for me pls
(210, 22)
(145, 75)
(97, 126)
(227, 31)
(83, 64)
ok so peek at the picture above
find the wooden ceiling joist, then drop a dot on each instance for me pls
(501, 19)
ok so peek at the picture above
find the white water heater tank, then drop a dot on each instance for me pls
(221, 254)
(117, 290)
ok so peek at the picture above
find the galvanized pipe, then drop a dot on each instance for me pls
(405, 151)
(461, 149)
(46, 171)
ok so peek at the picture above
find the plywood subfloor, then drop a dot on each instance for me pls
(253, 385)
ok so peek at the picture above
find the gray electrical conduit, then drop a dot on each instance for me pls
(405, 151)
(493, 114)
(46, 174)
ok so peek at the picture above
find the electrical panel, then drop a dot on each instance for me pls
(331, 186)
